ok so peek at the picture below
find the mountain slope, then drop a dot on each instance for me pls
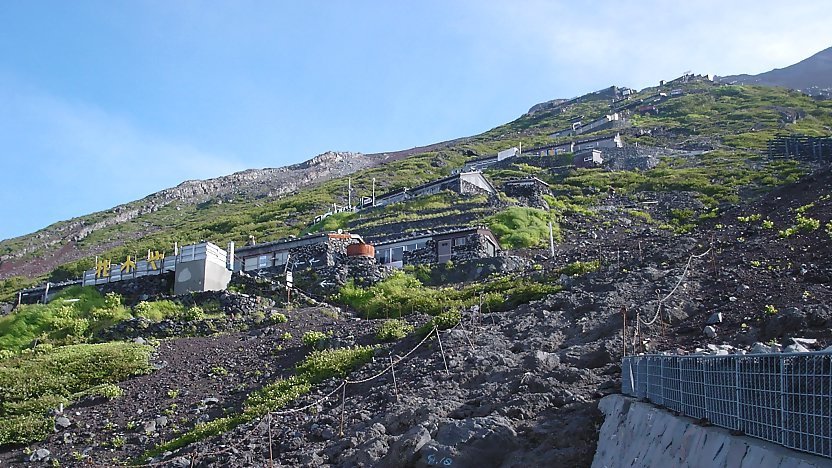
(274, 203)
(812, 75)
(60, 241)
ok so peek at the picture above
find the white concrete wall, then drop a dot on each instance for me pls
(636, 434)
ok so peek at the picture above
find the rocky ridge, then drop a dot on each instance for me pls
(60, 239)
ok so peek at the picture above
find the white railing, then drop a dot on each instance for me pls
(783, 398)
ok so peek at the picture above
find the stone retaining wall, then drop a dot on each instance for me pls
(643, 435)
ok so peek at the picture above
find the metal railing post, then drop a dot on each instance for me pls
(782, 400)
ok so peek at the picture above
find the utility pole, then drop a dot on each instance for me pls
(374, 191)
(349, 193)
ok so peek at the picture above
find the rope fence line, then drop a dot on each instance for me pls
(340, 387)
(672, 291)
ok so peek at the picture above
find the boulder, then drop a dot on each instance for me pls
(544, 361)
(761, 348)
(714, 319)
(403, 451)
(62, 422)
(795, 348)
(710, 332)
(40, 455)
(789, 321)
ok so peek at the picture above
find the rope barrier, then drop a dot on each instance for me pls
(678, 283)
(342, 387)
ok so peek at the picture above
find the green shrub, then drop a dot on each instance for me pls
(193, 313)
(24, 429)
(807, 224)
(314, 339)
(749, 218)
(157, 311)
(392, 330)
(70, 318)
(442, 321)
(321, 365)
(277, 317)
(641, 214)
(579, 268)
(108, 391)
(402, 293)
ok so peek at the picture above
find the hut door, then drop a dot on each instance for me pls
(444, 251)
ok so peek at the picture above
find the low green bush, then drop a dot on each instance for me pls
(156, 311)
(401, 293)
(522, 227)
(580, 268)
(393, 329)
(314, 339)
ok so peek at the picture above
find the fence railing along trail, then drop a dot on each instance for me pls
(782, 398)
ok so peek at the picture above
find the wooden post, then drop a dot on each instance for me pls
(395, 386)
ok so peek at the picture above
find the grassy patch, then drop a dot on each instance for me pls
(34, 382)
(72, 317)
(518, 227)
(317, 367)
(402, 293)
(157, 311)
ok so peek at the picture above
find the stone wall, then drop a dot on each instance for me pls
(529, 195)
(472, 270)
(136, 290)
(474, 248)
(640, 434)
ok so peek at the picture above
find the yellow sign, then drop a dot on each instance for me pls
(152, 258)
(129, 265)
(102, 268)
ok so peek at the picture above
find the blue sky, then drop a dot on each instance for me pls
(105, 102)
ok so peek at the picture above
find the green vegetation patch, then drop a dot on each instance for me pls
(71, 318)
(520, 227)
(402, 293)
(317, 367)
(393, 329)
(34, 382)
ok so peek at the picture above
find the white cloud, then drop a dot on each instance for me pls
(71, 139)
(638, 43)
(61, 159)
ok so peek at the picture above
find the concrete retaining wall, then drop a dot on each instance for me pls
(636, 434)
